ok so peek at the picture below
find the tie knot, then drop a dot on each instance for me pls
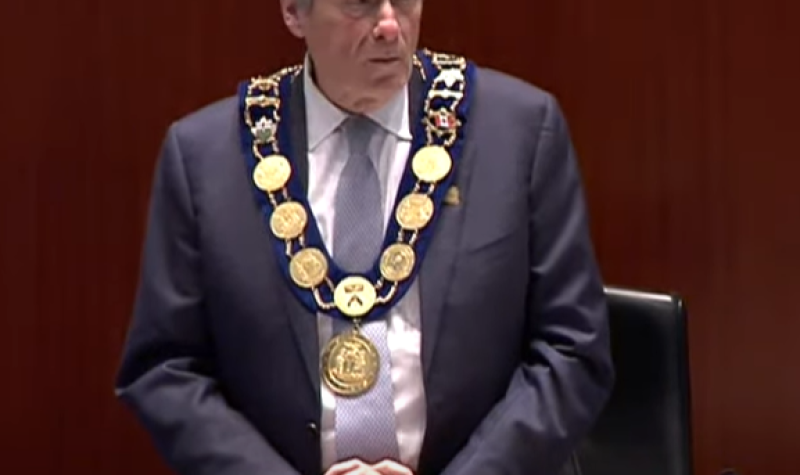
(359, 130)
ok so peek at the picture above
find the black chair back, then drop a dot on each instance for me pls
(646, 428)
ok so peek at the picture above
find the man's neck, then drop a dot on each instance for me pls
(344, 99)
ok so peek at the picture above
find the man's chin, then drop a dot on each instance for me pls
(391, 80)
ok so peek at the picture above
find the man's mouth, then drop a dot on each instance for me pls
(384, 60)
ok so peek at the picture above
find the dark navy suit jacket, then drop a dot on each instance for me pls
(221, 360)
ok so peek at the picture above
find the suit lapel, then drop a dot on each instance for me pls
(437, 268)
(435, 279)
(436, 275)
(303, 322)
(299, 134)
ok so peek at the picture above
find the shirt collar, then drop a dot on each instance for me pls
(324, 117)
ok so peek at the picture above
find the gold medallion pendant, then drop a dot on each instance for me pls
(397, 262)
(355, 296)
(272, 173)
(350, 364)
(432, 163)
(415, 211)
(289, 220)
(308, 268)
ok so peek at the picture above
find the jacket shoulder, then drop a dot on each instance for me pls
(502, 98)
(509, 91)
(209, 120)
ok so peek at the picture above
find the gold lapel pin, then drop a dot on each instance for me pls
(452, 197)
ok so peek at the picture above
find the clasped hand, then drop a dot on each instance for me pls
(357, 467)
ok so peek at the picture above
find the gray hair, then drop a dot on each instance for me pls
(304, 4)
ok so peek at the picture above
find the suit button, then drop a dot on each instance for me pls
(312, 428)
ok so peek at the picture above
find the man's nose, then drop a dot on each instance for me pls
(388, 28)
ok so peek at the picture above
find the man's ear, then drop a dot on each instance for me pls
(291, 17)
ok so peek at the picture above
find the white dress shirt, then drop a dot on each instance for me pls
(327, 154)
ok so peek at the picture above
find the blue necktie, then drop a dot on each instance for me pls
(365, 425)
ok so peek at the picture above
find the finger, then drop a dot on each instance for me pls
(363, 469)
(390, 467)
(343, 468)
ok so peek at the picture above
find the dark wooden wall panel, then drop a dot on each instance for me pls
(87, 91)
(683, 113)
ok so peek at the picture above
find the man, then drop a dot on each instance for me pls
(377, 263)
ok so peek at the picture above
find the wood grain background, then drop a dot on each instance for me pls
(684, 113)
